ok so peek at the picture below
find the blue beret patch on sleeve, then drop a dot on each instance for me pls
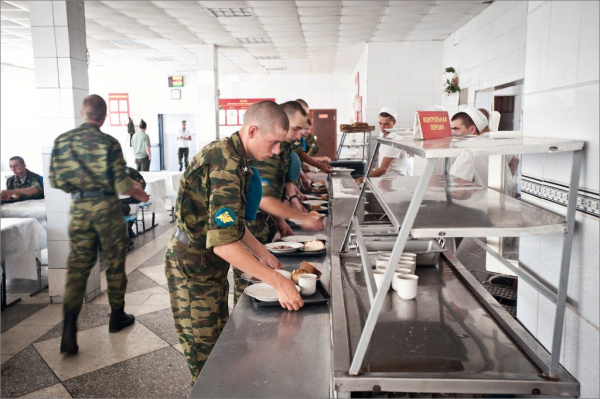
(225, 217)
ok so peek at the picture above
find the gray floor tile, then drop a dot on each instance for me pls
(26, 372)
(17, 313)
(91, 316)
(19, 285)
(161, 324)
(137, 281)
(159, 374)
(158, 259)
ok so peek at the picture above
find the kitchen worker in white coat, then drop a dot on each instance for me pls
(391, 159)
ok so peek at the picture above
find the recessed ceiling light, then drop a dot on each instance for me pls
(254, 40)
(230, 12)
(159, 58)
(123, 42)
(277, 69)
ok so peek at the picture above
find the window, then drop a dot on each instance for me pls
(118, 109)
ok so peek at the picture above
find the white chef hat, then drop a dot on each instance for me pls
(390, 111)
(478, 118)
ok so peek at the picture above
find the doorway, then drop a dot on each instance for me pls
(324, 130)
(169, 125)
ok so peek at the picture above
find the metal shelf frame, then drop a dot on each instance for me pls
(366, 144)
(435, 149)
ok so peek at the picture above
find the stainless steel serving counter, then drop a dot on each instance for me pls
(271, 352)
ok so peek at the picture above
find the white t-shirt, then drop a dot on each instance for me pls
(400, 162)
(180, 137)
(472, 168)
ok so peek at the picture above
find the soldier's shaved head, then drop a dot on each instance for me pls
(267, 115)
(94, 108)
(291, 107)
(303, 103)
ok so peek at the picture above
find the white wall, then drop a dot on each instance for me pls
(488, 51)
(406, 76)
(149, 95)
(20, 131)
(561, 101)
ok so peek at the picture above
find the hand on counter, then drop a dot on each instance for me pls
(289, 297)
(271, 261)
(283, 228)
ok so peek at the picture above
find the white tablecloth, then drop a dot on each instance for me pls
(162, 185)
(25, 209)
(22, 241)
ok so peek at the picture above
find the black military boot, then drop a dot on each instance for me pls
(68, 344)
(119, 320)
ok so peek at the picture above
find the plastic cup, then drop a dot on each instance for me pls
(409, 265)
(307, 283)
(378, 275)
(398, 271)
(407, 286)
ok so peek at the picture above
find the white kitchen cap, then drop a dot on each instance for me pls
(390, 111)
(478, 118)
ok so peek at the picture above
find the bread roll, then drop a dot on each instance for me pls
(296, 273)
(308, 268)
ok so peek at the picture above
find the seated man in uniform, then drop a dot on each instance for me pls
(24, 184)
(135, 176)
(212, 204)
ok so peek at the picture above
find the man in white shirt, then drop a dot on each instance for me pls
(183, 137)
(391, 159)
(470, 122)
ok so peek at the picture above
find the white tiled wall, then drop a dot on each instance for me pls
(488, 51)
(561, 101)
(406, 76)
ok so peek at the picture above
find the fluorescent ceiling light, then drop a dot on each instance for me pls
(268, 57)
(254, 40)
(231, 12)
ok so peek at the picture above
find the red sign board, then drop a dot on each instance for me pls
(232, 110)
(118, 109)
(432, 125)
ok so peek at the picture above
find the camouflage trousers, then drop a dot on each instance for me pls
(264, 230)
(96, 223)
(198, 290)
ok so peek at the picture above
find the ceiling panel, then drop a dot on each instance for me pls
(410, 10)
(442, 8)
(363, 10)
(219, 4)
(319, 11)
(188, 13)
(271, 4)
(310, 20)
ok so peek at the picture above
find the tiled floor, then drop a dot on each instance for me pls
(143, 361)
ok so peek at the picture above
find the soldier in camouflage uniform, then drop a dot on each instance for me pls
(25, 184)
(210, 211)
(89, 165)
(276, 186)
(311, 145)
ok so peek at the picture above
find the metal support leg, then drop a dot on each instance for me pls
(446, 166)
(39, 278)
(407, 224)
(339, 150)
(360, 197)
(565, 264)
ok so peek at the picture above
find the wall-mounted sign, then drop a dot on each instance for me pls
(175, 81)
(432, 125)
(118, 109)
(232, 110)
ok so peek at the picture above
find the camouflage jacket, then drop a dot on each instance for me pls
(211, 201)
(273, 172)
(31, 180)
(296, 146)
(85, 159)
(136, 176)
(312, 148)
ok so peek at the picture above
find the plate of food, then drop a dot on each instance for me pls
(283, 247)
(298, 238)
(340, 169)
(263, 292)
(314, 245)
(319, 184)
(315, 204)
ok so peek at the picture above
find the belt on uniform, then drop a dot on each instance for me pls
(184, 238)
(91, 194)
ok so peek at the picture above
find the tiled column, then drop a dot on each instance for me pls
(208, 95)
(60, 54)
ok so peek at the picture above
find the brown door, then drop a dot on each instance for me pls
(324, 129)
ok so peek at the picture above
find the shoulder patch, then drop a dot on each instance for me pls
(296, 143)
(266, 181)
(225, 217)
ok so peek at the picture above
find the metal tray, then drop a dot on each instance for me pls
(301, 253)
(320, 297)
(428, 251)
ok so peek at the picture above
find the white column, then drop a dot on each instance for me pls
(208, 95)
(60, 55)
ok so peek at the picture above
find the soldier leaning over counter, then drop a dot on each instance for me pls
(89, 165)
(24, 184)
(213, 200)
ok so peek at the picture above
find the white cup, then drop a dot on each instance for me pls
(384, 255)
(409, 255)
(378, 275)
(284, 273)
(307, 283)
(409, 265)
(407, 286)
(398, 271)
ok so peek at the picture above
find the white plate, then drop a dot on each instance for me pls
(315, 202)
(298, 238)
(264, 292)
(312, 196)
(294, 246)
(322, 237)
(319, 185)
